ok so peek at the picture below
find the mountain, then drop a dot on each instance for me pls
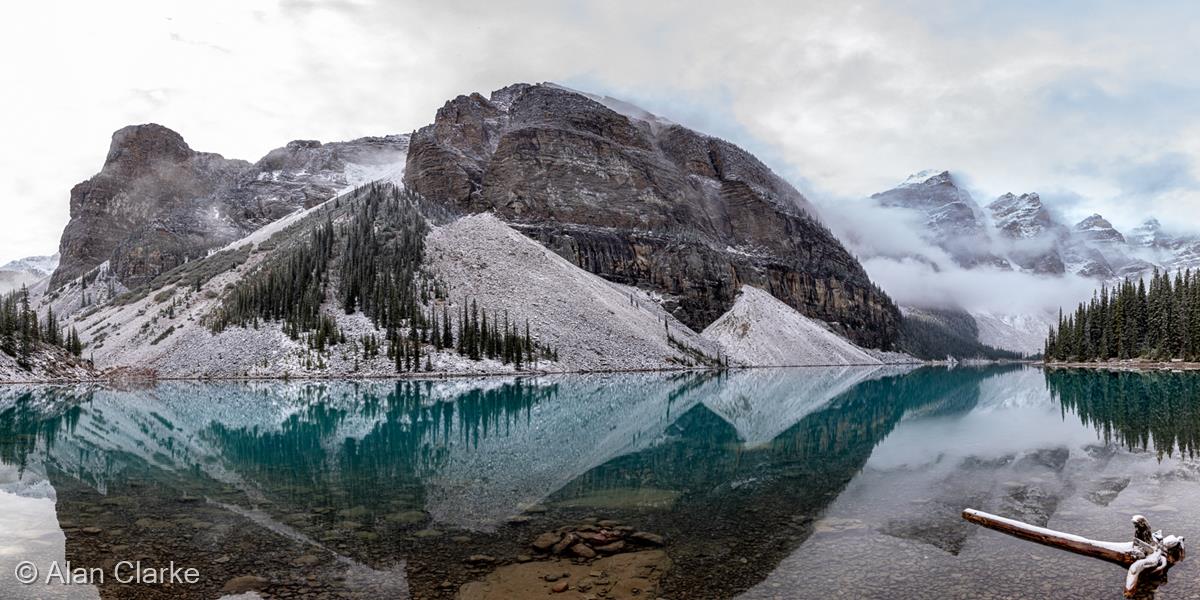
(26, 272)
(1017, 232)
(760, 330)
(1035, 236)
(1172, 251)
(538, 228)
(934, 333)
(952, 219)
(157, 204)
(644, 202)
(1097, 233)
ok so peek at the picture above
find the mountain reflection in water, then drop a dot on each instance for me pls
(369, 489)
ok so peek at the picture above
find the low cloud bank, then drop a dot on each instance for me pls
(915, 272)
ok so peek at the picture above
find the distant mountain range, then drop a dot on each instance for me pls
(26, 271)
(1019, 233)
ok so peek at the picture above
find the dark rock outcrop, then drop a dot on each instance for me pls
(157, 203)
(644, 202)
(144, 209)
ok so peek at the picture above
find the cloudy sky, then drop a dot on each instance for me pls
(1090, 103)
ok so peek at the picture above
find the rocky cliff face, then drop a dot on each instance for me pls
(157, 203)
(644, 202)
(147, 206)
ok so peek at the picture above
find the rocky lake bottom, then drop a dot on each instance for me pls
(767, 483)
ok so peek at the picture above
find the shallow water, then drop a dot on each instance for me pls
(774, 483)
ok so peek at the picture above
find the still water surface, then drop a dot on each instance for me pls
(783, 483)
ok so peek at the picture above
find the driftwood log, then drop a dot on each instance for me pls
(1147, 557)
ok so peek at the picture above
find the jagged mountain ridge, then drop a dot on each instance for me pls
(1015, 232)
(1020, 233)
(952, 219)
(728, 220)
(157, 203)
(617, 191)
(1171, 251)
(26, 272)
(644, 202)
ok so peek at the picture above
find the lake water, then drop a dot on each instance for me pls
(773, 483)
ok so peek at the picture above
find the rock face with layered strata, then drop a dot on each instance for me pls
(157, 203)
(143, 210)
(645, 202)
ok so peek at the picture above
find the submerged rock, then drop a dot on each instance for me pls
(630, 576)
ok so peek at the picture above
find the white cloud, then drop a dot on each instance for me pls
(846, 98)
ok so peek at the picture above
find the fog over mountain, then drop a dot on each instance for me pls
(1011, 263)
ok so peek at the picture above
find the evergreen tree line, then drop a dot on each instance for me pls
(1159, 320)
(21, 331)
(291, 289)
(371, 263)
(1157, 411)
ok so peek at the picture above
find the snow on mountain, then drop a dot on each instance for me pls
(595, 324)
(1098, 229)
(630, 110)
(1036, 237)
(952, 220)
(42, 266)
(1022, 217)
(762, 331)
(1150, 234)
(26, 272)
(1020, 332)
(1020, 232)
(1172, 251)
(927, 176)
(1098, 233)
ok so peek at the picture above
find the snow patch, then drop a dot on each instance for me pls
(760, 330)
(594, 324)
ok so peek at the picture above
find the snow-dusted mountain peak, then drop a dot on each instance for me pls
(26, 272)
(41, 266)
(1098, 229)
(928, 177)
(617, 105)
(1150, 234)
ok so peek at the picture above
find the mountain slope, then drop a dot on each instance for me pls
(644, 202)
(762, 331)
(1035, 237)
(169, 328)
(612, 232)
(935, 333)
(595, 324)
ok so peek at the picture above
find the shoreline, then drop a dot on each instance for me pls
(1126, 365)
(117, 379)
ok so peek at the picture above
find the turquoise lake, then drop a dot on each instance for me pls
(765, 483)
